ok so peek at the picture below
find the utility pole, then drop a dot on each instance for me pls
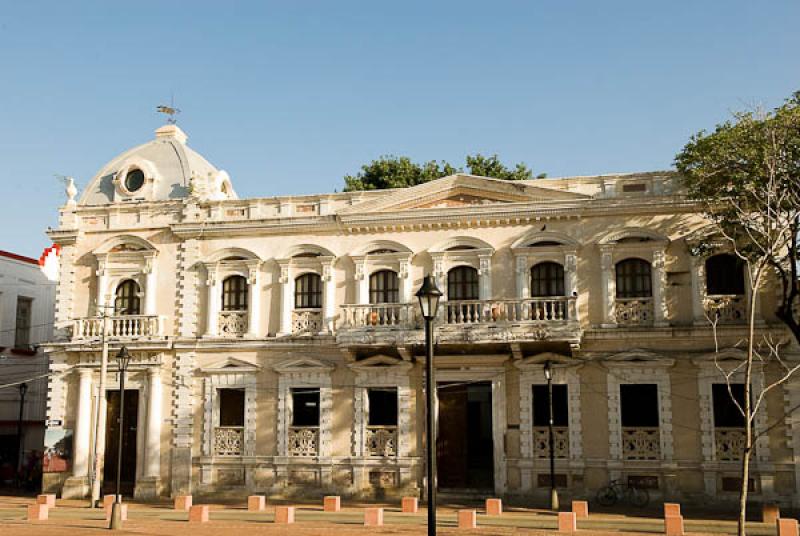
(100, 412)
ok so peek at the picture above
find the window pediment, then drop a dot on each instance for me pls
(303, 364)
(380, 363)
(231, 365)
(537, 361)
(638, 356)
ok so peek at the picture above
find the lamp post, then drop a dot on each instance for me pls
(123, 359)
(548, 374)
(428, 295)
(23, 388)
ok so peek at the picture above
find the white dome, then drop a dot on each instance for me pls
(158, 170)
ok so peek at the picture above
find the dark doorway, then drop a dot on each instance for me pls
(128, 475)
(464, 446)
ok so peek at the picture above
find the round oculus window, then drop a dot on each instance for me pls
(134, 180)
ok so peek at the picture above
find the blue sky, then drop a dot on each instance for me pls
(290, 96)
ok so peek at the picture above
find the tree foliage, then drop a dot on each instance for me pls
(400, 172)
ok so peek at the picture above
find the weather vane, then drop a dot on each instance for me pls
(169, 111)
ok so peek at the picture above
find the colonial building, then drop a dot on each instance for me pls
(277, 342)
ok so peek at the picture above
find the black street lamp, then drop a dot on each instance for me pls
(548, 374)
(23, 388)
(123, 360)
(429, 295)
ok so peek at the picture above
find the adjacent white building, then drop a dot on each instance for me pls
(278, 347)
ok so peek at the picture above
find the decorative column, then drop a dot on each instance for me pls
(659, 289)
(150, 290)
(523, 279)
(213, 305)
(83, 420)
(287, 298)
(571, 282)
(404, 275)
(608, 287)
(102, 287)
(699, 290)
(362, 282)
(485, 277)
(328, 297)
(439, 273)
(149, 487)
(254, 300)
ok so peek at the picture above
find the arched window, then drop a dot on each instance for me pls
(634, 279)
(462, 283)
(724, 275)
(547, 279)
(234, 293)
(384, 287)
(308, 291)
(126, 300)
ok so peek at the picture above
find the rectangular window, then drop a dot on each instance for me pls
(639, 405)
(541, 405)
(726, 414)
(305, 406)
(382, 406)
(231, 407)
(22, 333)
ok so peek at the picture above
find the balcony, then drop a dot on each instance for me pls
(521, 319)
(303, 441)
(232, 323)
(228, 440)
(541, 442)
(725, 308)
(641, 443)
(119, 327)
(381, 441)
(729, 443)
(306, 322)
(633, 311)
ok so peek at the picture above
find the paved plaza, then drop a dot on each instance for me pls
(71, 517)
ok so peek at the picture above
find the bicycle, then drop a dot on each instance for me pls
(616, 490)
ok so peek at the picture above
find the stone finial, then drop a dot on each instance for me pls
(70, 189)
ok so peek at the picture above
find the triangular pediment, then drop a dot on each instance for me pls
(379, 362)
(303, 364)
(231, 365)
(638, 356)
(459, 191)
(537, 361)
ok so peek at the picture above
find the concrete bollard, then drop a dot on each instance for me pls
(373, 517)
(183, 503)
(198, 513)
(256, 503)
(331, 503)
(786, 527)
(673, 525)
(284, 514)
(567, 522)
(47, 499)
(123, 511)
(580, 509)
(467, 519)
(494, 507)
(770, 513)
(410, 505)
(672, 509)
(37, 512)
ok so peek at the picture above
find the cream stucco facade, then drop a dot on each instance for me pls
(278, 347)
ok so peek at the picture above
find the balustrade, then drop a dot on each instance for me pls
(232, 323)
(726, 309)
(641, 443)
(633, 311)
(121, 327)
(228, 440)
(379, 315)
(381, 440)
(541, 442)
(306, 321)
(730, 443)
(303, 441)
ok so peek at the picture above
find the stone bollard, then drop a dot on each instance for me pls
(109, 500)
(373, 517)
(47, 499)
(673, 525)
(198, 513)
(467, 519)
(786, 527)
(672, 509)
(770, 513)
(567, 522)
(410, 505)
(284, 514)
(183, 503)
(494, 507)
(580, 509)
(256, 503)
(123, 511)
(37, 512)
(331, 503)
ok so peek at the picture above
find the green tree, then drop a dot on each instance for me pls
(746, 175)
(400, 172)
